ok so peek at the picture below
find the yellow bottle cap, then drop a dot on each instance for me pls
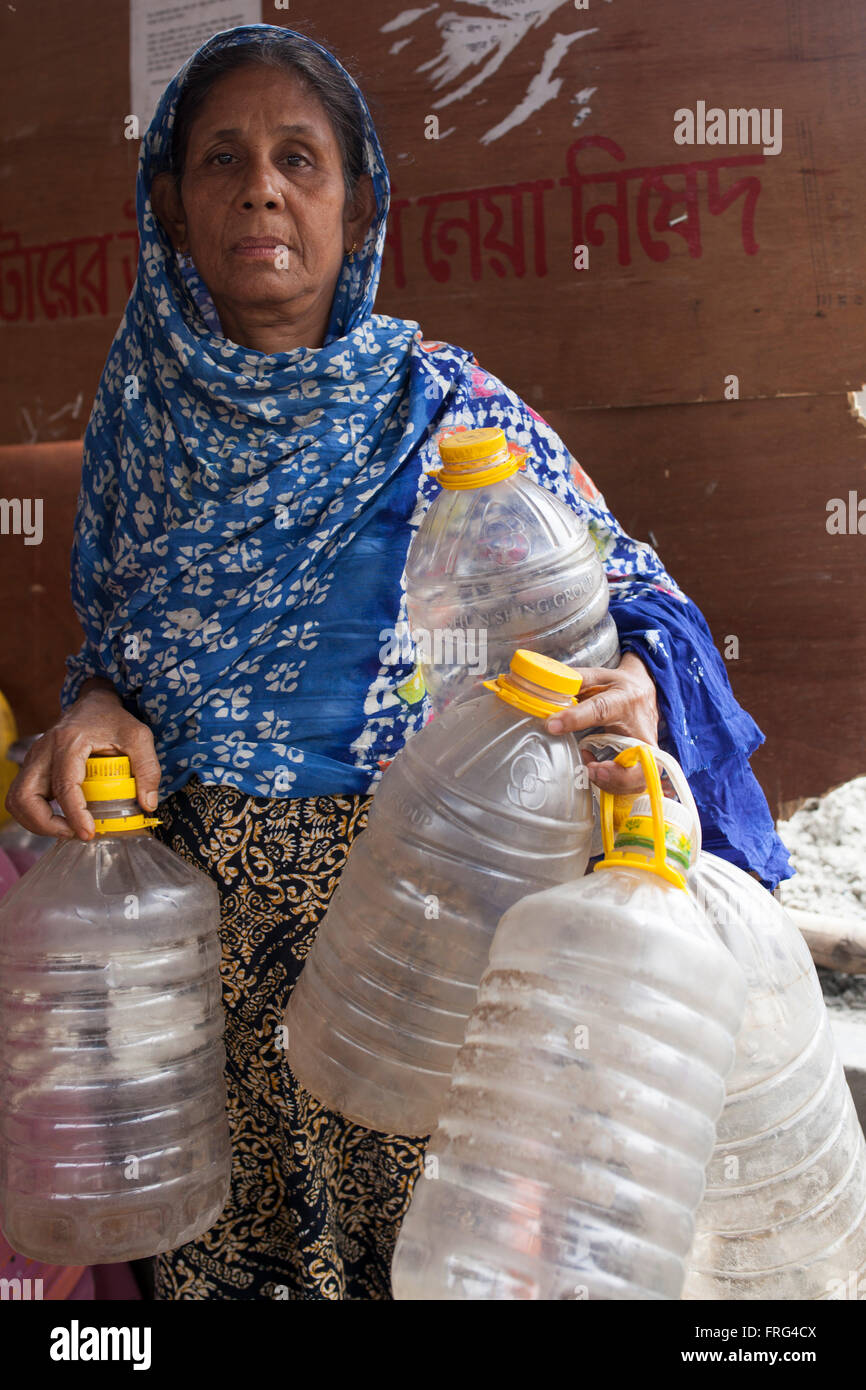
(543, 670)
(111, 779)
(551, 675)
(108, 779)
(471, 446)
(474, 458)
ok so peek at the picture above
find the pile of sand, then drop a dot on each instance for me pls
(826, 838)
(827, 842)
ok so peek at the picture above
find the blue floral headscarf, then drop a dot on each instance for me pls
(244, 520)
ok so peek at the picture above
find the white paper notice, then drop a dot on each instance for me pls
(162, 35)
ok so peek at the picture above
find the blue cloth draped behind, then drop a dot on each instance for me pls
(244, 520)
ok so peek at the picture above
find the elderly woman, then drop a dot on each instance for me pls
(254, 468)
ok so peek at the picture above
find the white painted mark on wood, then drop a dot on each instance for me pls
(542, 89)
(857, 403)
(405, 17)
(468, 40)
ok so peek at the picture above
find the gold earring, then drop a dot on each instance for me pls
(352, 252)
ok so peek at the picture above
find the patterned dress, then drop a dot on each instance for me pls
(316, 1202)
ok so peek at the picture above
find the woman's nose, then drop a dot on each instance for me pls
(261, 187)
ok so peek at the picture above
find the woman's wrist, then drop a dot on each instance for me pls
(94, 687)
(632, 663)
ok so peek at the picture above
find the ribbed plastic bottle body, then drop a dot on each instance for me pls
(114, 1142)
(480, 808)
(784, 1215)
(507, 565)
(569, 1157)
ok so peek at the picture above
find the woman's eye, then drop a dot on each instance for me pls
(221, 157)
(296, 156)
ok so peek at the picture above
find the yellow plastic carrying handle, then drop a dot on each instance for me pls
(613, 858)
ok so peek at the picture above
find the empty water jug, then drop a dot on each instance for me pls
(114, 1142)
(499, 563)
(569, 1157)
(480, 808)
(784, 1215)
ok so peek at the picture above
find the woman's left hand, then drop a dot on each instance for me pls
(622, 701)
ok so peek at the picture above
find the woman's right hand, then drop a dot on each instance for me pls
(55, 764)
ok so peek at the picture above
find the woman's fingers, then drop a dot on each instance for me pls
(620, 701)
(67, 773)
(29, 797)
(603, 708)
(132, 740)
(144, 765)
(623, 701)
(613, 777)
(56, 764)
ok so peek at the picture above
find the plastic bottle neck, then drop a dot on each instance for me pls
(539, 692)
(478, 465)
(473, 473)
(123, 815)
(527, 696)
(635, 834)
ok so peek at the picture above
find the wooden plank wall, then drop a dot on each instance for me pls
(711, 261)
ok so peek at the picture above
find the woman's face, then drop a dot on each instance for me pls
(262, 206)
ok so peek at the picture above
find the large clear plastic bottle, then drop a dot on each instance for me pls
(784, 1215)
(480, 808)
(569, 1157)
(114, 1140)
(499, 563)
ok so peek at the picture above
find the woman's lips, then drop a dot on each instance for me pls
(260, 248)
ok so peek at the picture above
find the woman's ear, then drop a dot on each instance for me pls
(166, 202)
(360, 211)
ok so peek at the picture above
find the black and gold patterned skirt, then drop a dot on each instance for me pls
(316, 1202)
